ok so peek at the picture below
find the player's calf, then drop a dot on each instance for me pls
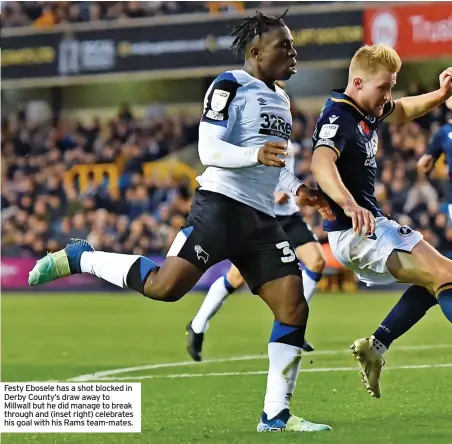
(426, 267)
(166, 283)
(285, 299)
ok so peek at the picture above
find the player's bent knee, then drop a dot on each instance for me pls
(317, 264)
(235, 278)
(312, 256)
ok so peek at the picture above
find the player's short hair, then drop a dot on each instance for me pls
(371, 59)
(250, 28)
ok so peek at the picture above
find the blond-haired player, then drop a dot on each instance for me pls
(377, 249)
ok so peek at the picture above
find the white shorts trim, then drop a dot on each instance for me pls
(367, 257)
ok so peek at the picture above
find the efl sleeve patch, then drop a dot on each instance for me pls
(328, 131)
(218, 101)
(332, 134)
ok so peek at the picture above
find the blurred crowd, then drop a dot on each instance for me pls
(49, 13)
(405, 195)
(41, 212)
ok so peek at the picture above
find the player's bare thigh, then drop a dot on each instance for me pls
(311, 254)
(424, 266)
(234, 277)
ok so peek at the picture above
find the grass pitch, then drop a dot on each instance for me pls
(59, 337)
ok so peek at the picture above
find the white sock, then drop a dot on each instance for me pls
(309, 285)
(378, 347)
(285, 362)
(212, 302)
(110, 267)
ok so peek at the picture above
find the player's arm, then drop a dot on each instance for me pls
(323, 167)
(221, 106)
(330, 141)
(305, 196)
(325, 171)
(409, 108)
(435, 149)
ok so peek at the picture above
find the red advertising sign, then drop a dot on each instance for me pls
(414, 31)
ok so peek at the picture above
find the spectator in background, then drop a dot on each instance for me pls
(45, 14)
(41, 211)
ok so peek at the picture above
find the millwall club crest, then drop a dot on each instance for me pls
(219, 100)
(405, 231)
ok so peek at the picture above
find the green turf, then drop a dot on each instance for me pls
(52, 337)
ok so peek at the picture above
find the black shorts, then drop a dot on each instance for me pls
(297, 229)
(220, 228)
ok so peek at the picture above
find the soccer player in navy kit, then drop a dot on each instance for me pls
(243, 137)
(377, 249)
(441, 143)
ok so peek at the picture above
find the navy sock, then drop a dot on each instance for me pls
(228, 285)
(139, 273)
(288, 334)
(444, 296)
(410, 309)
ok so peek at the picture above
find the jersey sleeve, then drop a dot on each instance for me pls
(222, 101)
(222, 106)
(388, 109)
(435, 145)
(332, 130)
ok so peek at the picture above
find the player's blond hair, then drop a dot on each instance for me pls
(372, 59)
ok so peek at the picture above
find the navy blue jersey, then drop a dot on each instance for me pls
(440, 143)
(346, 129)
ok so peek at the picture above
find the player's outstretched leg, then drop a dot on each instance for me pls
(368, 352)
(215, 298)
(284, 297)
(167, 283)
(431, 274)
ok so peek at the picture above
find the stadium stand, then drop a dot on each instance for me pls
(47, 14)
(67, 179)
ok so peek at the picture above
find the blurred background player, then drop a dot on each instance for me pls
(232, 214)
(440, 143)
(377, 249)
(307, 249)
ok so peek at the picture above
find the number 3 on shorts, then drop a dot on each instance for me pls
(288, 253)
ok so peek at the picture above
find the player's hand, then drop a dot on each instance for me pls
(281, 197)
(445, 83)
(361, 218)
(316, 199)
(426, 164)
(268, 154)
